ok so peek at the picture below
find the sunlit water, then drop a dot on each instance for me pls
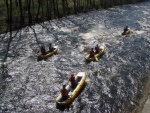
(114, 84)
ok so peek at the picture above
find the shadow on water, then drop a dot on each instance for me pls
(4, 76)
(5, 73)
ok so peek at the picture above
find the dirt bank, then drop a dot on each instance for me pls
(144, 103)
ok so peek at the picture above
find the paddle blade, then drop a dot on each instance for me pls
(95, 57)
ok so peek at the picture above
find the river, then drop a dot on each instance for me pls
(114, 84)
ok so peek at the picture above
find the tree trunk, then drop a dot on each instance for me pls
(63, 7)
(57, 10)
(50, 8)
(10, 31)
(8, 15)
(54, 7)
(75, 8)
(33, 10)
(39, 6)
(66, 7)
(47, 5)
(29, 12)
(42, 10)
(21, 14)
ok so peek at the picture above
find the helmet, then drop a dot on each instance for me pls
(72, 75)
(64, 85)
(91, 48)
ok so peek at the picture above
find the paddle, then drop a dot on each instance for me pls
(95, 57)
(38, 53)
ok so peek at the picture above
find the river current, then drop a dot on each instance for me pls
(114, 84)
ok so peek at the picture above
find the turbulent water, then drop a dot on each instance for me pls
(114, 84)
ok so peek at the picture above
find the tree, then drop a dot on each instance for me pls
(7, 5)
(38, 11)
(29, 12)
(75, 8)
(21, 14)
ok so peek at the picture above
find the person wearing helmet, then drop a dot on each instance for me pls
(73, 81)
(50, 47)
(43, 51)
(97, 49)
(92, 53)
(126, 29)
(64, 92)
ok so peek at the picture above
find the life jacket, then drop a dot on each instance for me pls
(126, 29)
(43, 51)
(92, 53)
(72, 80)
(97, 49)
(64, 92)
(38, 52)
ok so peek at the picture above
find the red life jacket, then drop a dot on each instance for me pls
(91, 53)
(38, 52)
(72, 79)
(64, 92)
(43, 51)
(97, 49)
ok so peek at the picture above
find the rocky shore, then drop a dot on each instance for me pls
(146, 108)
(144, 103)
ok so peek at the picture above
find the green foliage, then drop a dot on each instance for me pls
(49, 9)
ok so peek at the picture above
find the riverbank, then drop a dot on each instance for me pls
(18, 14)
(146, 108)
(144, 103)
